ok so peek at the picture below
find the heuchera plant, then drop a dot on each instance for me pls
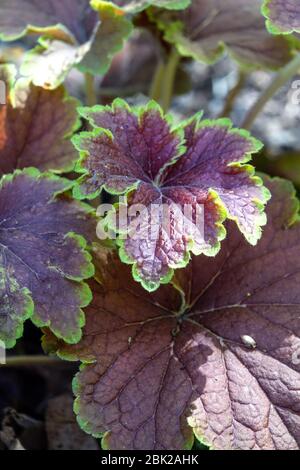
(137, 152)
(190, 336)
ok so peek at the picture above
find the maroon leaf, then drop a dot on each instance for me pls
(122, 329)
(42, 261)
(208, 28)
(282, 16)
(200, 165)
(224, 363)
(35, 128)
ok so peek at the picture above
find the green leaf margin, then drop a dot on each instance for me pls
(271, 27)
(223, 213)
(88, 270)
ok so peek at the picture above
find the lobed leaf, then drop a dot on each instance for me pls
(283, 17)
(42, 261)
(201, 164)
(35, 128)
(208, 28)
(224, 363)
(73, 34)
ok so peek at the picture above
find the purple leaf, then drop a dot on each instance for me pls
(209, 27)
(225, 363)
(35, 128)
(64, 20)
(42, 261)
(282, 16)
(74, 34)
(200, 165)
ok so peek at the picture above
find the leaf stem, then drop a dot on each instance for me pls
(90, 91)
(284, 75)
(156, 85)
(233, 94)
(27, 361)
(169, 79)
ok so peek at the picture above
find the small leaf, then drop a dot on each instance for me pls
(73, 34)
(155, 368)
(282, 17)
(42, 261)
(209, 27)
(35, 128)
(200, 164)
(134, 6)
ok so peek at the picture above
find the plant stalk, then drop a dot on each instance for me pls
(27, 361)
(90, 91)
(283, 76)
(156, 85)
(169, 79)
(233, 94)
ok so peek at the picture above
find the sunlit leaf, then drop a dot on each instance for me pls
(200, 163)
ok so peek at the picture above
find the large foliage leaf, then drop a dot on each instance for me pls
(208, 27)
(200, 164)
(73, 34)
(282, 16)
(224, 364)
(42, 260)
(36, 126)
